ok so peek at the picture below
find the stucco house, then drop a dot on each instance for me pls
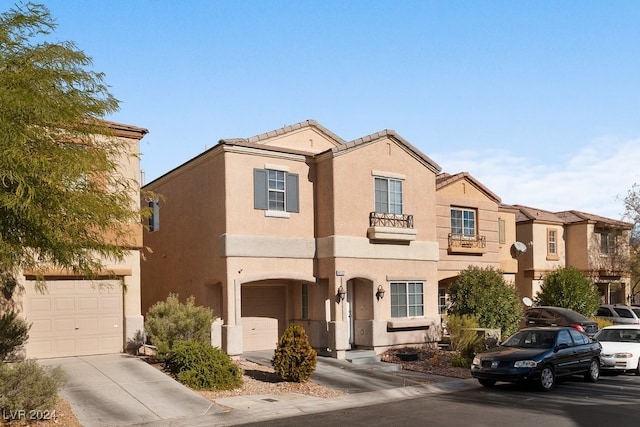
(595, 245)
(299, 225)
(77, 316)
(474, 228)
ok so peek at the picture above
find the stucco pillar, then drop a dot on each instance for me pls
(232, 339)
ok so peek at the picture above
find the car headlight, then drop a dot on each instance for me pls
(622, 355)
(525, 364)
(476, 361)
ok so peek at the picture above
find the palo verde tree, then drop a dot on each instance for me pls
(569, 288)
(61, 188)
(484, 294)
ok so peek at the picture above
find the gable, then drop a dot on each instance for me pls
(307, 136)
(462, 185)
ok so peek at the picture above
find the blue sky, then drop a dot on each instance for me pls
(539, 100)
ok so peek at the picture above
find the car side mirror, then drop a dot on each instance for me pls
(561, 346)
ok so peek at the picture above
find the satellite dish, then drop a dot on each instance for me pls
(517, 249)
(527, 301)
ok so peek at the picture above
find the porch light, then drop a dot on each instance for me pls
(380, 293)
(341, 293)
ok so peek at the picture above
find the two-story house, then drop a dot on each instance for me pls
(474, 229)
(597, 246)
(80, 316)
(298, 225)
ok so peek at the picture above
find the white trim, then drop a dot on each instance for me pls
(392, 175)
(275, 167)
(277, 214)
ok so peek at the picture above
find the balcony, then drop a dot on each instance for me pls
(476, 245)
(391, 228)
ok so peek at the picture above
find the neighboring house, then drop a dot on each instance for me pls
(82, 317)
(297, 225)
(597, 246)
(474, 228)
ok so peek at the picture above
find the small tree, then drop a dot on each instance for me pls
(567, 287)
(294, 358)
(485, 294)
(15, 332)
(170, 321)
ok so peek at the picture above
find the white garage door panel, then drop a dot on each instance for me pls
(263, 316)
(74, 318)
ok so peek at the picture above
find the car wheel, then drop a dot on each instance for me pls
(547, 378)
(637, 371)
(486, 383)
(593, 373)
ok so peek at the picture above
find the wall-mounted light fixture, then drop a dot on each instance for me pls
(341, 293)
(380, 293)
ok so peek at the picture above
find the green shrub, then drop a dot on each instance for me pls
(294, 358)
(28, 386)
(485, 294)
(170, 321)
(464, 338)
(201, 366)
(14, 332)
(569, 288)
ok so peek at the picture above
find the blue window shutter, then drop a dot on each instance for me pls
(260, 189)
(292, 202)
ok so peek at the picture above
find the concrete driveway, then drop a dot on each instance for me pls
(120, 390)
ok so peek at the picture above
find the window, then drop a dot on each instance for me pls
(463, 222)
(275, 190)
(564, 338)
(154, 217)
(552, 243)
(606, 242)
(305, 300)
(388, 195)
(407, 299)
(443, 299)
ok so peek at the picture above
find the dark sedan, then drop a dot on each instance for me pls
(558, 316)
(539, 355)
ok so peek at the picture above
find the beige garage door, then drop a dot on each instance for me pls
(263, 316)
(74, 318)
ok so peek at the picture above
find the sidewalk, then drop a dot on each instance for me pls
(366, 385)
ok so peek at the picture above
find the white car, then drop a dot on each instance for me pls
(620, 348)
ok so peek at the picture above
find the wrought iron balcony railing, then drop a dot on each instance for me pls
(471, 242)
(379, 219)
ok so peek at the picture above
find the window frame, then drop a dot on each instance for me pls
(154, 216)
(404, 302)
(389, 205)
(462, 227)
(262, 192)
(552, 244)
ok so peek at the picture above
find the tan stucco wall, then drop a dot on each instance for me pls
(464, 194)
(578, 245)
(185, 255)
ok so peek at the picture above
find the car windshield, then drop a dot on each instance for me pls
(619, 335)
(531, 339)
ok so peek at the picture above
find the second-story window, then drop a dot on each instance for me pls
(463, 222)
(552, 243)
(606, 242)
(388, 195)
(275, 190)
(154, 215)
